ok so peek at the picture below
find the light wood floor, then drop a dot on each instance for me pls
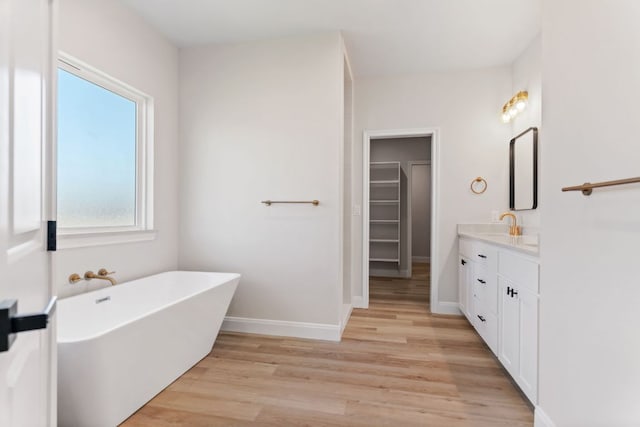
(397, 365)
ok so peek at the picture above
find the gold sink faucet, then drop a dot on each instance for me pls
(102, 274)
(514, 230)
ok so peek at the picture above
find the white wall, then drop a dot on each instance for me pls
(590, 287)
(465, 107)
(526, 74)
(346, 176)
(401, 150)
(263, 120)
(113, 39)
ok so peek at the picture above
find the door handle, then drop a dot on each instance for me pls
(463, 262)
(482, 318)
(481, 281)
(11, 324)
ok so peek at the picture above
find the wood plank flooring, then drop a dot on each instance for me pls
(397, 365)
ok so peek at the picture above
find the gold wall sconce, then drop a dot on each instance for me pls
(515, 106)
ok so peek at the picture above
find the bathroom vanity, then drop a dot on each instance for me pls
(498, 293)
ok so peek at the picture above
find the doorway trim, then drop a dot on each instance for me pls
(369, 135)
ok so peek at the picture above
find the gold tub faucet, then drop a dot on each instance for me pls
(514, 230)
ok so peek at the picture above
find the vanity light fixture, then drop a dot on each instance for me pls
(514, 106)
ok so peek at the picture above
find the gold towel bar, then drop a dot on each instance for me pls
(270, 202)
(587, 187)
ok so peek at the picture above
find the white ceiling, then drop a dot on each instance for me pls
(382, 36)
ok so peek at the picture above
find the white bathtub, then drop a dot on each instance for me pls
(120, 346)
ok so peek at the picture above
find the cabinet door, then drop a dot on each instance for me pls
(528, 362)
(509, 342)
(465, 295)
(463, 273)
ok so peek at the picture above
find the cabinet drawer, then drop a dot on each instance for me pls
(485, 255)
(487, 326)
(520, 270)
(485, 287)
(478, 251)
(465, 248)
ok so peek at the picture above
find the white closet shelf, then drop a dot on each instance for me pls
(384, 202)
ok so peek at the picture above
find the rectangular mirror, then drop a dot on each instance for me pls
(523, 171)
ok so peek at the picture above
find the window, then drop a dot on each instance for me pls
(104, 157)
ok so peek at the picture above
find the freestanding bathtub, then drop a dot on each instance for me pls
(120, 346)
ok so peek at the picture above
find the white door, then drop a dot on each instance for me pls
(27, 377)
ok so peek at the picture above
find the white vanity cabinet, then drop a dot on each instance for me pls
(498, 290)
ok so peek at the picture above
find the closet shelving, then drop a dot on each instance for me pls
(384, 208)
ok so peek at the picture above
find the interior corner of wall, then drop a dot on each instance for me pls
(345, 54)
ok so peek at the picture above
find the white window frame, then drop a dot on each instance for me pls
(73, 237)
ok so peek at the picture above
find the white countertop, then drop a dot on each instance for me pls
(498, 234)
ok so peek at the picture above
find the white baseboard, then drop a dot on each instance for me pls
(358, 302)
(446, 307)
(541, 419)
(283, 328)
(421, 259)
(346, 314)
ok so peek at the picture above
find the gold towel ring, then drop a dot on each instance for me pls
(477, 180)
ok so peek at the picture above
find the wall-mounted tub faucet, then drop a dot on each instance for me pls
(103, 274)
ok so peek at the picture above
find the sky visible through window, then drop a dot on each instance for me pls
(96, 155)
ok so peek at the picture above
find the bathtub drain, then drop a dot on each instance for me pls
(99, 300)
